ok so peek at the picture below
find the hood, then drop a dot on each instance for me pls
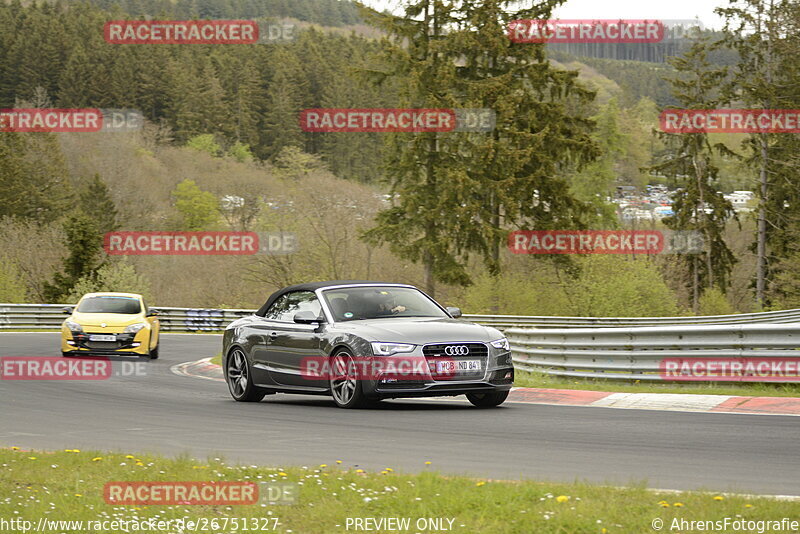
(419, 331)
(110, 319)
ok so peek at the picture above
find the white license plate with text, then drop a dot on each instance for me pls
(102, 337)
(452, 366)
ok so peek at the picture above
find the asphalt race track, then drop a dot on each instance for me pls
(170, 414)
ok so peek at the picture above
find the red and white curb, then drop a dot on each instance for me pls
(676, 402)
(199, 369)
(680, 402)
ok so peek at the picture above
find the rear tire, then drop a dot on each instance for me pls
(239, 378)
(344, 382)
(489, 399)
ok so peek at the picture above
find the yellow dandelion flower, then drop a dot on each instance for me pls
(130, 456)
(359, 470)
(428, 462)
(384, 472)
(481, 483)
(31, 457)
(338, 461)
(14, 448)
(719, 498)
(677, 504)
(390, 469)
(603, 530)
(140, 464)
(282, 474)
(748, 505)
(97, 459)
(79, 494)
(323, 466)
(562, 498)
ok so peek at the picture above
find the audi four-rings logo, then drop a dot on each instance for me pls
(456, 350)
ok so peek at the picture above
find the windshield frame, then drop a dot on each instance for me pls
(321, 294)
(85, 299)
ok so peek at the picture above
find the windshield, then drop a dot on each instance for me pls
(126, 305)
(353, 303)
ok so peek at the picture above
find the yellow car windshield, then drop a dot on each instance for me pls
(126, 305)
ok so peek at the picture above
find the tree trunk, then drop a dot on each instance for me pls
(761, 237)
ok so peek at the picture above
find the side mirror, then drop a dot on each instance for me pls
(153, 312)
(455, 313)
(306, 317)
(68, 310)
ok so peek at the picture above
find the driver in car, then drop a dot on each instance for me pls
(387, 304)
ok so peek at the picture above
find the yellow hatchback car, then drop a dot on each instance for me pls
(108, 324)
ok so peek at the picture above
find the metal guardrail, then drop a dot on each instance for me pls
(511, 321)
(605, 347)
(49, 316)
(638, 353)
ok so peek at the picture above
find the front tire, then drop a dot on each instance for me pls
(345, 384)
(489, 399)
(154, 353)
(239, 378)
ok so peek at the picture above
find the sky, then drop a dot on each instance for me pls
(622, 9)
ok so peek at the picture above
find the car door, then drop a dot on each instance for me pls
(287, 343)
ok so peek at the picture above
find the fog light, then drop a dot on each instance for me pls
(135, 344)
(508, 375)
(70, 342)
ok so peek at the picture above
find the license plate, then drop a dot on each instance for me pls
(452, 366)
(102, 337)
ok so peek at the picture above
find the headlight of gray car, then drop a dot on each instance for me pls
(501, 344)
(387, 349)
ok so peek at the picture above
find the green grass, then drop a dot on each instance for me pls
(541, 380)
(217, 360)
(69, 486)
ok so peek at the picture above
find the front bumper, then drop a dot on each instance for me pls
(498, 375)
(126, 344)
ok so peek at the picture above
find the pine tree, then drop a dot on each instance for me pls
(698, 204)
(84, 243)
(764, 33)
(97, 203)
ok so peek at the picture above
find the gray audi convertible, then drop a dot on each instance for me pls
(361, 342)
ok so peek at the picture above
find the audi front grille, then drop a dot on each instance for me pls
(456, 352)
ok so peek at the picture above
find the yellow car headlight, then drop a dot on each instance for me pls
(135, 327)
(74, 327)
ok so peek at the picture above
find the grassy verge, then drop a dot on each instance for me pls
(217, 360)
(541, 380)
(69, 486)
